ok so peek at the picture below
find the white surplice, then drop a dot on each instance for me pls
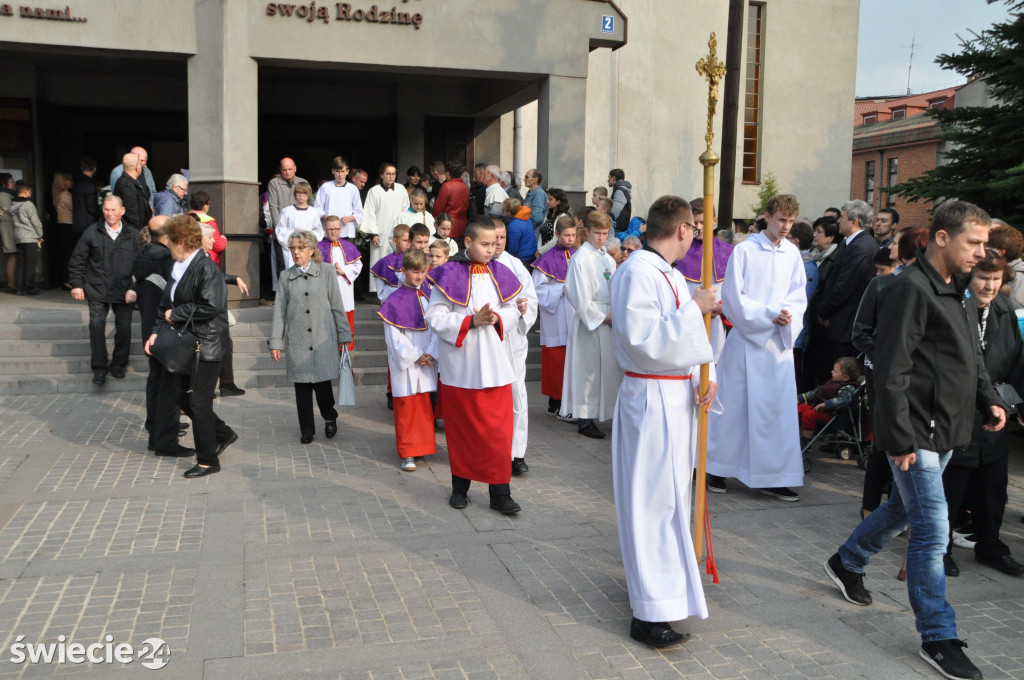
(346, 277)
(555, 311)
(757, 438)
(405, 347)
(341, 201)
(518, 340)
(292, 220)
(718, 333)
(654, 436)
(483, 359)
(592, 376)
(379, 213)
(409, 217)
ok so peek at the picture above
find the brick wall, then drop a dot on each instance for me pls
(914, 160)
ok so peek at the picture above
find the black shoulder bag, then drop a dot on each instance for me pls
(177, 348)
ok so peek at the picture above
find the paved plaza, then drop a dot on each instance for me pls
(327, 561)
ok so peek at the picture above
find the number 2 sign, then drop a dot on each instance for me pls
(607, 24)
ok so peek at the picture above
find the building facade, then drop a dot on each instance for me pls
(225, 88)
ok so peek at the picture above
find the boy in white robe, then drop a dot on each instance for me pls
(347, 263)
(660, 342)
(384, 202)
(592, 376)
(341, 198)
(299, 216)
(518, 341)
(555, 313)
(757, 437)
(438, 253)
(388, 270)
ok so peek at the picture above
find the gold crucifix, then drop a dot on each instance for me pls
(713, 71)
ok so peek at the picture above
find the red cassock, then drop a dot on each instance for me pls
(552, 366)
(414, 426)
(478, 428)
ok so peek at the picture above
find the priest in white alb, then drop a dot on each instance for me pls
(660, 342)
(757, 437)
(384, 202)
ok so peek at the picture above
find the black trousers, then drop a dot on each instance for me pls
(304, 404)
(98, 334)
(461, 485)
(207, 429)
(25, 266)
(984, 489)
(68, 239)
(877, 473)
(163, 412)
(227, 370)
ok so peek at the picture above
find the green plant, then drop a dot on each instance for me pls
(769, 188)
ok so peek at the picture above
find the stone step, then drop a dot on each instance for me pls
(79, 313)
(80, 330)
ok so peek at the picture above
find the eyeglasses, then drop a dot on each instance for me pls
(629, 250)
(696, 230)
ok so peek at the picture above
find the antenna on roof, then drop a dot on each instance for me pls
(913, 41)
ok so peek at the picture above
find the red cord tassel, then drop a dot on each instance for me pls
(712, 568)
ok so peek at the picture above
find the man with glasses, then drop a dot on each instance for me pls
(384, 203)
(174, 199)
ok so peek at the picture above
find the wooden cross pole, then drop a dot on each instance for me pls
(713, 71)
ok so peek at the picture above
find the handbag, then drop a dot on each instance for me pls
(346, 383)
(1010, 397)
(177, 348)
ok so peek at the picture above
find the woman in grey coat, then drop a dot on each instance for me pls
(310, 327)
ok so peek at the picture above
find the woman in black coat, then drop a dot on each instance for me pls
(977, 477)
(196, 288)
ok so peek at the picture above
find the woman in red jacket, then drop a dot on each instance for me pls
(199, 204)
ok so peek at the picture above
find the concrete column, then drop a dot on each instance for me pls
(411, 101)
(561, 143)
(223, 127)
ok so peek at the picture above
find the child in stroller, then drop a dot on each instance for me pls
(817, 407)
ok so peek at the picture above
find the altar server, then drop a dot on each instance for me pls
(347, 263)
(341, 198)
(556, 314)
(386, 270)
(384, 202)
(301, 216)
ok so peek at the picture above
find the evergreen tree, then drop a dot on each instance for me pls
(984, 160)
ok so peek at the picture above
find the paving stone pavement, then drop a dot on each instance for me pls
(326, 561)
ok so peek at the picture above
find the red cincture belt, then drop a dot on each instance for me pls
(648, 376)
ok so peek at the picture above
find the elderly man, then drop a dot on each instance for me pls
(147, 176)
(100, 272)
(536, 198)
(494, 195)
(280, 195)
(133, 193)
(172, 200)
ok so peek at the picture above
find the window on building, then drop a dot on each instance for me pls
(936, 103)
(754, 93)
(893, 172)
(869, 182)
(870, 118)
(899, 113)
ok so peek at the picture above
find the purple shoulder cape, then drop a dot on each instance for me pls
(690, 265)
(387, 269)
(454, 281)
(402, 309)
(555, 263)
(350, 252)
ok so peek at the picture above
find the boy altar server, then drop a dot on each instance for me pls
(592, 376)
(387, 269)
(519, 343)
(549, 272)
(384, 202)
(412, 348)
(472, 305)
(660, 343)
(341, 198)
(757, 437)
(691, 264)
(347, 263)
(299, 216)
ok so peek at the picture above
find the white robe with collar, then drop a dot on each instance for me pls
(518, 340)
(592, 376)
(757, 437)
(654, 436)
(405, 347)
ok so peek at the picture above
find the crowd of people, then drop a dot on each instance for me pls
(806, 316)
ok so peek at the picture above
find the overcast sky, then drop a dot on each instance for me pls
(887, 28)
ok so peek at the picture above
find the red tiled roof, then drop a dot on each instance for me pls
(916, 104)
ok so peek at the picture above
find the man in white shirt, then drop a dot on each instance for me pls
(341, 198)
(494, 194)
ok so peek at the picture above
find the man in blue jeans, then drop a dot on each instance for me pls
(929, 378)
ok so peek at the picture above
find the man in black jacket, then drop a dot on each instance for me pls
(84, 206)
(134, 194)
(929, 379)
(853, 269)
(100, 271)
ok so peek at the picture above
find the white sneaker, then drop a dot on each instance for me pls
(565, 419)
(965, 541)
(408, 464)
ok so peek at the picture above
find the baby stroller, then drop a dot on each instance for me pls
(845, 434)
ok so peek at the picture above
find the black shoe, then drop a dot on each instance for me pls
(117, 372)
(1003, 563)
(948, 658)
(331, 428)
(519, 467)
(458, 500)
(231, 390)
(716, 484)
(227, 442)
(656, 635)
(588, 429)
(182, 426)
(177, 451)
(306, 439)
(782, 493)
(151, 446)
(32, 291)
(554, 406)
(850, 584)
(949, 566)
(99, 378)
(504, 504)
(391, 402)
(200, 471)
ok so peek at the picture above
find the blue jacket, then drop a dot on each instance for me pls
(167, 203)
(537, 200)
(522, 240)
